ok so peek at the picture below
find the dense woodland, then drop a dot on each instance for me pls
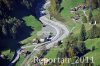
(8, 21)
(11, 17)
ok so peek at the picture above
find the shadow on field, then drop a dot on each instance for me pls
(24, 32)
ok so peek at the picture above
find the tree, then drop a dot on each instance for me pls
(92, 4)
(82, 47)
(53, 5)
(92, 20)
(99, 3)
(59, 54)
(4, 31)
(97, 18)
(59, 43)
(27, 3)
(84, 1)
(90, 15)
(13, 25)
(84, 19)
(13, 32)
(93, 48)
(71, 52)
(93, 32)
(82, 35)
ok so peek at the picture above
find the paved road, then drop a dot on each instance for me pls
(60, 29)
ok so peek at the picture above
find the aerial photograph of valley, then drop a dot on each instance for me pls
(49, 32)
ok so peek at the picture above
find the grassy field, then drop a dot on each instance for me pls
(96, 53)
(75, 28)
(32, 22)
(54, 51)
(65, 13)
(6, 52)
(67, 4)
(20, 60)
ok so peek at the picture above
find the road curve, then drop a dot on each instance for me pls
(61, 30)
(61, 33)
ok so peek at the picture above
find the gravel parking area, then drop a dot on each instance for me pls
(45, 32)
